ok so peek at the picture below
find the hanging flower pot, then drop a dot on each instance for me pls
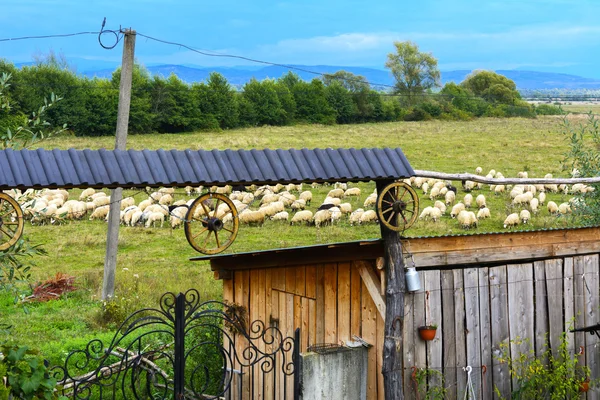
(584, 386)
(427, 332)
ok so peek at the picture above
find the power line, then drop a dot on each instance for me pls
(48, 36)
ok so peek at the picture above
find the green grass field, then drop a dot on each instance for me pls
(152, 261)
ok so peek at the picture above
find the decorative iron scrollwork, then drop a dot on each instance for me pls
(185, 349)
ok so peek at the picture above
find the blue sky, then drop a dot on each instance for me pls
(545, 35)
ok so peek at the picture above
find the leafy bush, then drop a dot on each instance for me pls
(549, 109)
(558, 378)
(417, 114)
(27, 375)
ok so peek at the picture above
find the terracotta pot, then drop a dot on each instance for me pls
(584, 386)
(427, 332)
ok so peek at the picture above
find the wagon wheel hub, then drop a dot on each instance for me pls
(214, 224)
(399, 206)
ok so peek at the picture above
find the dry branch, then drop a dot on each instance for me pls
(504, 181)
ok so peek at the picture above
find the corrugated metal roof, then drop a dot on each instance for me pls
(132, 168)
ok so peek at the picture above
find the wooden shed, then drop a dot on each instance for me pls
(481, 290)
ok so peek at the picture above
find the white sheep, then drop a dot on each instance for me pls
(339, 193)
(269, 198)
(525, 216)
(368, 216)
(352, 192)
(533, 205)
(450, 198)
(483, 213)
(101, 201)
(441, 206)
(458, 207)
(552, 207)
(306, 196)
(426, 213)
(478, 170)
(469, 186)
(346, 208)
(370, 201)
(249, 217)
(340, 185)
(322, 217)
(467, 219)
(155, 217)
(281, 216)
(480, 201)
(127, 202)
(300, 217)
(434, 193)
(425, 187)
(499, 189)
(355, 216)
(299, 204)
(564, 208)
(99, 213)
(435, 214)
(145, 203)
(468, 200)
(512, 220)
(248, 198)
(542, 198)
(335, 213)
(86, 193)
(287, 198)
(273, 208)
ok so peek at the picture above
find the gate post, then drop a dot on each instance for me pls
(297, 365)
(179, 378)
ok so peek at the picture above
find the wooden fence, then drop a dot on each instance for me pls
(523, 306)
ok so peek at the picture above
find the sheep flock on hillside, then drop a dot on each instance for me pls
(464, 205)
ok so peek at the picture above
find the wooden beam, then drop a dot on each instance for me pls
(393, 342)
(504, 181)
(372, 284)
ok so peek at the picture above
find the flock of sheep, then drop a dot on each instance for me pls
(290, 203)
(525, 200)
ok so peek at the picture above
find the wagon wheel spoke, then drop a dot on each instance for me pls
(206, 211)
(387, 210)
(216, 208)
(389, 202)
(9, 211)
(403, 193)
(7, 233)
(392, 216)
(200, 233)
(206, 240)
(217, 239)
(228, 230)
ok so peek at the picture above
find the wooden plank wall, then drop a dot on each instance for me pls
(328, 302)
(482, 309)
(477, 311)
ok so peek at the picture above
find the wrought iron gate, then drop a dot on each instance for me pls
(186, 349)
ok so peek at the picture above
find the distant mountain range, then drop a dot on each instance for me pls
(237, 76)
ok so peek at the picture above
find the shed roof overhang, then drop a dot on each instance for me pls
(24, 169)
(429, 252)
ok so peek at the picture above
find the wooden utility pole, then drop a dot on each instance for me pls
(112, 237)
(393, 351)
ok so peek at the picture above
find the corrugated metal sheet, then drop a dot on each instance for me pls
(132, 168)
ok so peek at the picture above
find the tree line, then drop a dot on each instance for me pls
(168, 105)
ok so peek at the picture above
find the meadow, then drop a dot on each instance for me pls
(155, 260)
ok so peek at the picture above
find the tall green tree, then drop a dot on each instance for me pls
(415, 72)
(493, 87)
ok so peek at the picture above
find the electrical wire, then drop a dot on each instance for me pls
(48, 36)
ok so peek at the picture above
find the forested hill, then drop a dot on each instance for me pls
(237, 76)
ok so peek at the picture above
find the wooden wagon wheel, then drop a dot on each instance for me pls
(211, 223)
(399, 203)
(11, 221)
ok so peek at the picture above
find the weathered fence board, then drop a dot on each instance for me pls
(592, 288)
(485, 329)
(554, 285)
(472, 333)
(459, 332)
(433, 300)
(500, 333)
(448, 332)
(541, 307)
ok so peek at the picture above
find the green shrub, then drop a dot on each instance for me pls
(417, 114)
(548, 109)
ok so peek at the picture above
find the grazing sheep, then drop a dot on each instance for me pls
(533, 205)
(450, 198)
(332, 200)
(434, 193)
(99, 213)
(127, 202)
(86, 193)
(425, 187)
(551, 188)
(435, 214)
(352, 192)
(306, 196)
(299, 204)
(441, 206)
(467, 219)
(499, 189)
(101, 201)
(273, 208)
(521, 199)
(322, 217)
(542, 198)
(269, 198)
(469, 186)
(340, 185)
(220, 189)
(458, 207)
(135, 217)
(522, 174)
(552, 207)
(335, 213)
(144, 204)
(370, 201)
(249, 217)
(368, 216)
(300, 217)
(355, 216)
(478, 170)
(248, 198)
(525, 216)
(483, 213)
(468, 200)
(188, 190)
(338, 193)
(512, 220)
(564, 208)
(281, 216)
(287, 198)
(178, 216)
(480, 201)
(155, 217)
(426, 213)
(346, 208)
